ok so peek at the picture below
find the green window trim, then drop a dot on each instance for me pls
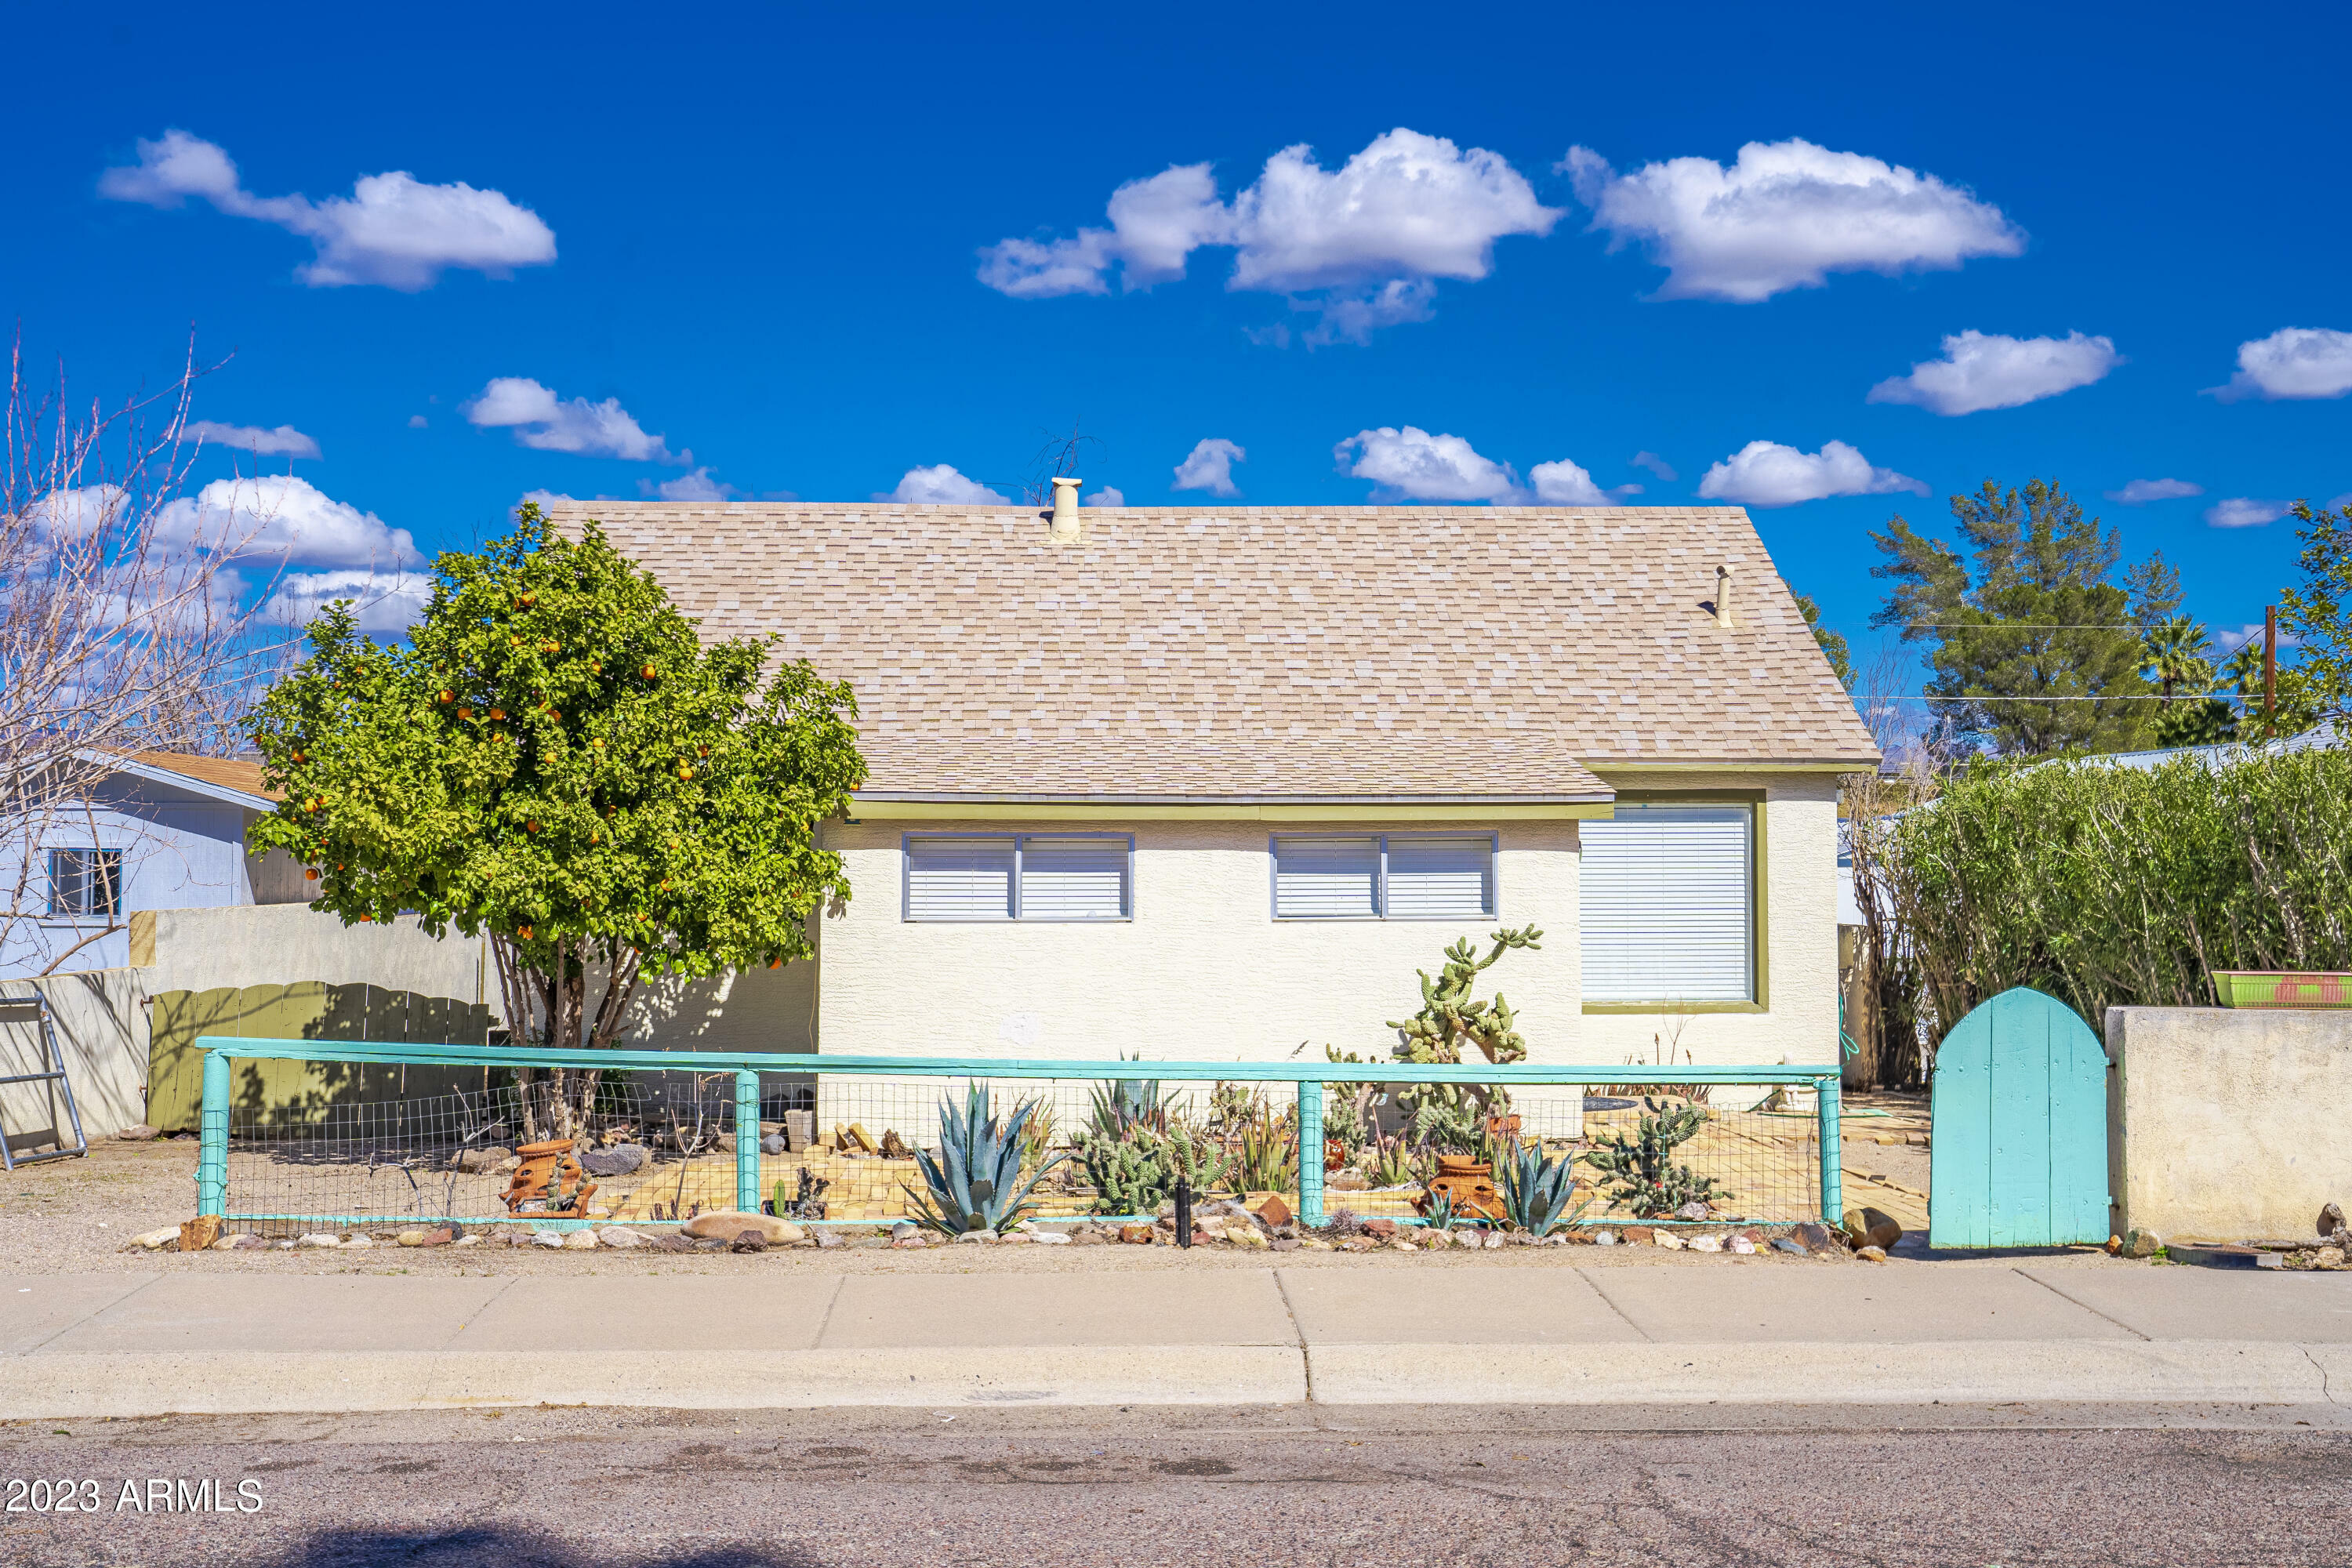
(1760, 924)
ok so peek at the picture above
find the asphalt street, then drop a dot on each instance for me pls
(1462, 1487)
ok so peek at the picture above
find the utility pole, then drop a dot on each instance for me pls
(2270, 672)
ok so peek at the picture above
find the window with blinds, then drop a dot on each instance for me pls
(1669, 904)
(1384, 876)
(1014, 875)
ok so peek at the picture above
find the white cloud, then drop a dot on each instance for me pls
(941, 485)
(1362, 243)
(285, 441)
(1785, 215)
(1412, 464)
(1210, 467)
(417, 422)
(286, 517)
(1655, 464)
(392, 229)
(1980, 371)
(383, 602)
(696, 485)
(2294, 361)
(82, 512)
(2244, 512)
(1765, 473)
(551, 423)
(1109, 495)
(1564, 484)
(2139, 492)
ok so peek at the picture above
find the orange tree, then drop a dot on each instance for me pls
(558, 763)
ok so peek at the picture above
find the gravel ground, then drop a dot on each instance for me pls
(75, 1217)
(1461, 1488)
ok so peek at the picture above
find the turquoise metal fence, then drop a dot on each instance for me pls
(745, 1070)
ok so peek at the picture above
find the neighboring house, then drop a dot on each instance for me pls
(162, 832)
(1212, 783)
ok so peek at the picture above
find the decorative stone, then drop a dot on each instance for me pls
(142, 1133)
(620, 1160)
(353, 1243)
(1380, 1229)
(903, 1228)
(1667, 1239)
(1740, 1244)
(155, 1241)
(1315, 1244)
(1248, 1236)
(1873, 1227)
(1705, 1244)
(775, 1143)
(548, 1238)
(1640, 1234)
(725, 1225)
(1605, 1238)
(2328, 1257)
(197, 1233)
(621, 1238)
(977, 1239)
(1051, 1238)
(489, 1158)
(1814, 1237)
(468, 1240)
(1286, 1243)
(828, 1238)
(1136, 1234)
(2331, 1218)
(1274, 1212)
(409, 1238)
(2140, 1243)
(1015, 1238)
(1791, 1246)
(1871, 1254)
(1346, 1181)
(747, 1241)
(1495, 1239)
(1693, 1211)
(580, 1241)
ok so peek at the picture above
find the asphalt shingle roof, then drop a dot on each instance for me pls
(1309, 652)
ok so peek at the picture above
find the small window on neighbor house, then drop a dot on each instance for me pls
(1669, 904)
(86, 884)
(1019, 877)
(1391, 876)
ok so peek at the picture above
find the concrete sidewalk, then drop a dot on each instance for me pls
(149, 1344)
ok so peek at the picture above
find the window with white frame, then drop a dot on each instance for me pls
(85, 884)
(1383, 875)
(1668, 897)
(1019, 877)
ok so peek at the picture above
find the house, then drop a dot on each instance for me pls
(1212, 783)
(162, 831)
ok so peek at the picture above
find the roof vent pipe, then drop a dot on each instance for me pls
(1722, 613)
(1065, 508)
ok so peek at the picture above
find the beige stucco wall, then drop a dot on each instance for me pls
(1798, 1022)
(2225, 1124)
(1202, 972)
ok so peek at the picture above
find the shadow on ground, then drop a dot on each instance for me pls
(477, 1546)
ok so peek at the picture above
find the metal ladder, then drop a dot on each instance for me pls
(35, 1010)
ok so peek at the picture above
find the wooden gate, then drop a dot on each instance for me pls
(2019, 1153)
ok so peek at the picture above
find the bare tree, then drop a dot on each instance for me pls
(117, 636)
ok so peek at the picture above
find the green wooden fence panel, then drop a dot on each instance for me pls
(2018, 1152)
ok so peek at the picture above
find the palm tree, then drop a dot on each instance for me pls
(2175, 653)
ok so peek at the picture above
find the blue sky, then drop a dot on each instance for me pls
(762, 237)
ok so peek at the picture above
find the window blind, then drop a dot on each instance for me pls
(1667, 904)
(1434, 878)
(960, 878)
(1073, 878)
(1328, 877)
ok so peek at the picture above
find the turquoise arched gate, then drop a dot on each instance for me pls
(2019, 1153)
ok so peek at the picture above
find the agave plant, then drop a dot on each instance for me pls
(975, 1181)
(1536, 1186)
(1126, 1105)
(1439, 1214)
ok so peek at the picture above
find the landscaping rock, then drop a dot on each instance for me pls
(1358, 1244)
(620, 1237)
(1051, 1238)
(553, 1239)
(668, 1241)
(1871, 1254)
(2331, 1218)
(142, 1132)
(580, 1241)
(1346, 1181)
(1741, 1244)
(977, 1238)
(1694, 1210)
(468, 1240)
(1380, 1229)
(1138, 1235)
(620, 1160)
(725, 1225)
(156, 1240)
(1873, 1227)
(1667, 1239)
(1815, 1238)
(1791, 1246)
(2141, 1244)
(775, 1143)
(223, 1243)
(1248, 1238)
(904, 1229)
(829, 1239)
(2328, 1257)
(1639, 1235)
(1315, 1244)
(1286, 1243)
(197, 1233)
(1275, 1213)
(1494, 1239)
(1605, 1238)
(1705, 1244)
(489, 1158)
(358, 1243)
(747, 1241)
(1015, 1238)
(409, 1238)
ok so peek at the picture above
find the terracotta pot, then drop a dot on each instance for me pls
(542, 1164)
(1503, 1126)
(1463, 1166)
(1470, 1184)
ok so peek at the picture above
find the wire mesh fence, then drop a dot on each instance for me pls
(655, 1145)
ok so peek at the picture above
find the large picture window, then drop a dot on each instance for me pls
(1384, 876)
(1669, 904)
(1019, 877)
(86, 884)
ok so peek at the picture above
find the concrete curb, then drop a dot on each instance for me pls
(255, 1382)
(1976, 1372)
(1959, 1373)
